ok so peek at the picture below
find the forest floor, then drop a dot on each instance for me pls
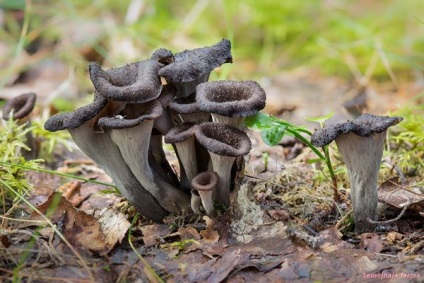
(283, 225)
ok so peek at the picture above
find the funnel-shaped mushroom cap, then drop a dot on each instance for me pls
(163, 56)
(223, 139)
(180, 133)
(205, 181)
(364, 126)
(21, 105)
(75, 119)
(137, 82)
(192, 64)
(185, 105)
(134, 114)
(231, 98)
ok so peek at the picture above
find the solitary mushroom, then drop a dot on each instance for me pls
(99, 146)
(360, 143)
(136, 82)
(204, 184)
(192, 67)
(230, 101)
(225, 144)
(21, 106)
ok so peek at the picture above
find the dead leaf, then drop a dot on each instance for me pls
(393, 193)
(393, 237)
(209, 236)
(215, 270)
(279, 214)
(153, 233)
(371, 242)
(84, 230)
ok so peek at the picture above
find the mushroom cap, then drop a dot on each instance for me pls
(185, 105)
(22, 105)
(75, 119)
(137, 82)
(223, 139)
(180, 133)
(364, 126)
(163, 56)
(205, 181)
(134, 114)
(231, 98)
(192, 64)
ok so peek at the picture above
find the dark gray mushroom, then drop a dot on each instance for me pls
(192, 67)
(230, 101)
(361, 144)
(100, 147)
(182, 137)
(186, 109)
(137, 82)
(132, 133)
(225, 144)
(205, 183)
(19, 108)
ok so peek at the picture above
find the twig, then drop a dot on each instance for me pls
(391, 220)
(340, 222)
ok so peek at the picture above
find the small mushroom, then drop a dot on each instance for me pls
(137, 82)
(361, 144)
(192, 67)
(19, 108)
(99, 146)
(132, 135)
(230, 101)
(205, 183)
(182, 137)
(225, 144)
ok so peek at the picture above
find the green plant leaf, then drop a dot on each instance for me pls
(272, 136)
(321, 119)
(315, 160)
(260, 121)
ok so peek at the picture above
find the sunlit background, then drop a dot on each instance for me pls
(375, 40)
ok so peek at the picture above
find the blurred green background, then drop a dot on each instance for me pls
(382, 39)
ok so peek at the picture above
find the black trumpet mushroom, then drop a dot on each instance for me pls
(225, 144)
(99, 146)
(204, 184)
(134, 111)
(230, 101)
(361, 144)
(192, 67)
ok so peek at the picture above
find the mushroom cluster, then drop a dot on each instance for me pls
(167, 97)
(361, 144)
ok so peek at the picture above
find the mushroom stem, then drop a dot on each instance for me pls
(363, 174)
(196, 202)
(100, 148)
(222, 166)
(205, 184)
(136, 139)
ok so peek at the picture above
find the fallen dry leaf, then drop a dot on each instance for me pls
(81, 229)
(393, 237)
(153, 233)
(371, 242)
(393, 193)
